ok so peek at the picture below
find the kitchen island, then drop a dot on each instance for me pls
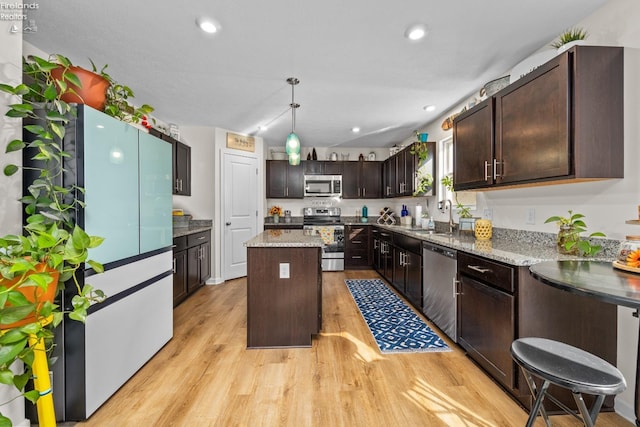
(284, 288)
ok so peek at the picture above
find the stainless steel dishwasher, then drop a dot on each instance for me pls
(439, 287)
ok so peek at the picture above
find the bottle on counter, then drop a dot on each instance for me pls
(365, 211)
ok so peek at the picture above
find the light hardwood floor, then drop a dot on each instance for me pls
(205, 376)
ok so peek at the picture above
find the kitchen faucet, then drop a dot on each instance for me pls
(443, 204)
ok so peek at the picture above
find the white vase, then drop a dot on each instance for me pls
(569, 45)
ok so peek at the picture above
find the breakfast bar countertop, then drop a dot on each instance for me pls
(285, 238)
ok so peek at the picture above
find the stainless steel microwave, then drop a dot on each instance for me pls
(323, 185)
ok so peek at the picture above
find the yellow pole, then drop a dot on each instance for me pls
(41, 380)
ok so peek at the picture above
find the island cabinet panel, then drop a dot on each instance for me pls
(577, 320)
(563, 122)
(283, 311)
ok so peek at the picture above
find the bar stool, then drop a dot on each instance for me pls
(569, 367)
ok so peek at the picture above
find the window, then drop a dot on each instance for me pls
(466, 198)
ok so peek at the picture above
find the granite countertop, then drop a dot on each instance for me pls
(195, 226)
(514, 247)
(285, 238)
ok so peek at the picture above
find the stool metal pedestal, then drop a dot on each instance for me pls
(568, 367)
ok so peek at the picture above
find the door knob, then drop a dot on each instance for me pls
(228, 223)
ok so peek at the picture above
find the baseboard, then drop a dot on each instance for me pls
(214, 281)
(625, 410)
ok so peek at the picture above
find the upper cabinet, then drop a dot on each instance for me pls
(562, 122)
(181, 166)
(362, 180)
(284, 181)
(400, 173)
(322, 167)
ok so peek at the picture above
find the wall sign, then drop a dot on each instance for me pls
(241, 142)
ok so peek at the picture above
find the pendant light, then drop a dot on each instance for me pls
(292, 144)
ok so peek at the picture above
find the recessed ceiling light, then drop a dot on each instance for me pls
(429, 108)
(355, 129)
(416, 32)
(207, 25)
(262, 128)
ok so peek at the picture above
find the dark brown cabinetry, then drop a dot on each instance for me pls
(283, 312)
(191, 264)
(383, 253)
(322, 167)
(407, 268)
(473, 147)
(486, 315)
(357, 247)
(563, 121)
(362, 180)
(498, 303)
(179, 269)
(400, 174)
(284, 180)
(181, 166)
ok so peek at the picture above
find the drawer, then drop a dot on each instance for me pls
(179, 243)
(491, 272)
(198, 238)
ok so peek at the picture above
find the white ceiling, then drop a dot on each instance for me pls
(354, 64)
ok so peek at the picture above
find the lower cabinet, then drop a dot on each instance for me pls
(486, 315)
(407, 268)
(191, 264)
(498, 303)
(357, 247)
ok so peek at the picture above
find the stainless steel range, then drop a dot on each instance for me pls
(327, 223)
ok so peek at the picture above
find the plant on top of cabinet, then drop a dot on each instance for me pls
(569, 241)
(568, 36)
(37, 264)
(118, 105)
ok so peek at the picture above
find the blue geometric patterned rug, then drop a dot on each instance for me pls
(394, 326)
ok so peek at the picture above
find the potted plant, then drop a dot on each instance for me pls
(419, 148)
(462, 210)
(52, 248)
(117, 101)
(424, 182)
(569, 38)
(569, 241)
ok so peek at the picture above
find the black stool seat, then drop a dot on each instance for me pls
(568, 367)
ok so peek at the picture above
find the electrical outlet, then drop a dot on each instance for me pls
(531, 216)
(284, 270)
(488, 213)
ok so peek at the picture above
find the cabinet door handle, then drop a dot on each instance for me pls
(495, 169)
(455, 283)
(486, 170)
(201, 238)
(479, 269)
(375, 244)
(356, 241)
(364, 192)
(358, 192)
(356, 257)
(177, 184)
(174, 266)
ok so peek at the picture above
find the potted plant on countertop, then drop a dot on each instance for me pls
(569, 240)
(44, 260)
(568, 38)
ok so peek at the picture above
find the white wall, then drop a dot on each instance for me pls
(207, 147)
(606, 204)
(10, 208)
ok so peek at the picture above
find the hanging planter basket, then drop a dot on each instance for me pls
(93, 91)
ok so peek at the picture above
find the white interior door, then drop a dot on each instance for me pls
(239, 211)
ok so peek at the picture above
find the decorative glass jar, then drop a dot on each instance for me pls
(629, 252)
(567, 234)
